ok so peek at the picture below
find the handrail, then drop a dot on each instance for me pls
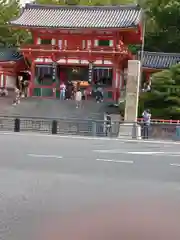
(160, 120)
(39, 47)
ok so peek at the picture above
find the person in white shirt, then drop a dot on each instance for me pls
(78, 98)
(62, 91)
(17, 96)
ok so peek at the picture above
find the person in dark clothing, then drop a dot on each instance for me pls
(3, 92)
(69, 90)
(99, 94)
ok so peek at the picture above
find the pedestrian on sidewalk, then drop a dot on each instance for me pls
(146, 123)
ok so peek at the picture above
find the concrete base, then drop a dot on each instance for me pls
(177, 134)
(130, 131)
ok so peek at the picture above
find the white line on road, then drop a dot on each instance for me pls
(172, 154)
(113, 160)
(44, 156)
(160, 153)
(175, 164)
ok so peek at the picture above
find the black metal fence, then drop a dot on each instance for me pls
(58, 126)
(82, 127)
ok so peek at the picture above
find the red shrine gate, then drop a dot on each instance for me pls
(79, 43)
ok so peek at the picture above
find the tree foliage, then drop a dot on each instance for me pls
(9, 36)
(164, 98)
(162, 25)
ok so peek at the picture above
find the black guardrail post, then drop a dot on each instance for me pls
(54, 127)
(17, 125)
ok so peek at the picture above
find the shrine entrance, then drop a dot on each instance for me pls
(74, 74)
(48, 78)
(103, 76)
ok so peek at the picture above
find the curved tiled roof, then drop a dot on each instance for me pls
(34, 15)
(160, 60)
(9, 55)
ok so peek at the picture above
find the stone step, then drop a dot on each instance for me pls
(47, 108)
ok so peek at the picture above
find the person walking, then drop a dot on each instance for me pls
(147, 121)
(99, 94)
(78, 98)
(17, 96)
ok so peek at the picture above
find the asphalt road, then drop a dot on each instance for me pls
(55, 188)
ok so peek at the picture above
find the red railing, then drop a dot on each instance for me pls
(160, 121)
(56, 48)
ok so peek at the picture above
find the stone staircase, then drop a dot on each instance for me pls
(37, 114)
(50, 108)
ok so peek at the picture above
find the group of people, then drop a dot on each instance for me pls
(72, 91)
(67, 91)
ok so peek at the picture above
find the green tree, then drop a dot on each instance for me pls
(164, 98)
(10, 36)
(162, 25)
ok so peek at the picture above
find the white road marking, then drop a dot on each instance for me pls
(97, 145)
(173, 154)
(175, 164)
(143, 153)
(122, 140)
(43, 156)
(160, 153)
(113, 160)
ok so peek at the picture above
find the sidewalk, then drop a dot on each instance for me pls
(121, 140)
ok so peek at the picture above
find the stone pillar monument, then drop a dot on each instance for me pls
(130, 128)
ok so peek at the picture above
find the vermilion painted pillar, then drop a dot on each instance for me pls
(2, 80)
(31, 85)
(114, 82)
(117, 86)
(148, 75)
